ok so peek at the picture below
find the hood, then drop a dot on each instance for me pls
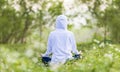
(61, 22)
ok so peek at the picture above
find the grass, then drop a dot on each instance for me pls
(25, 58)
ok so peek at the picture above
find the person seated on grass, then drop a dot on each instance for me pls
(61, 44)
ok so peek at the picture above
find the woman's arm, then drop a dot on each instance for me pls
(49, 46)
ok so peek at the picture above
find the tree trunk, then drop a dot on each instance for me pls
(23, 40)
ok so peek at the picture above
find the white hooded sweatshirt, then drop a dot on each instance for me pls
(61, 42)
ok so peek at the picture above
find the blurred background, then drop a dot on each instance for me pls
(26, 24)
(25, 21)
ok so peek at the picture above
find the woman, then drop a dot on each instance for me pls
(61, 43)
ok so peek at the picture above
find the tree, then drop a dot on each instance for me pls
(16, 25)
(107, 13)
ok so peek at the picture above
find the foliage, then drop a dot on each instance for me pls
(21, 23)
(109, 19)
(107, 14)
(25, 58)
(18, 19)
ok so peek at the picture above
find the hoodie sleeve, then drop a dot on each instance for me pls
(73, 43)
(49, 46)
